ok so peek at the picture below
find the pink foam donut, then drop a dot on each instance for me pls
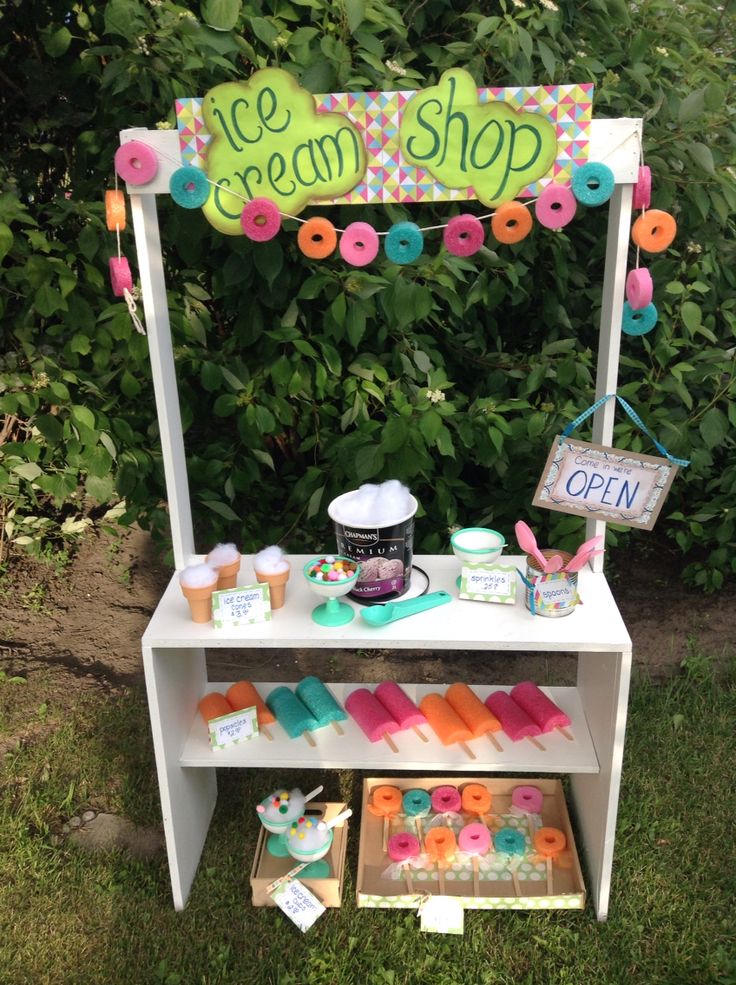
(556, 206)
(359, 244)
(639, 288)
(120, 276)
(643, 189)
(136, 162)
(260, 220)
(463, 235)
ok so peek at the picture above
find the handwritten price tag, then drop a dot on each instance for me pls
(241, 606)
(442, 915)
(488, 583)
(229, 730)
(300, 906)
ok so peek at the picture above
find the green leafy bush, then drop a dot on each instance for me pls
(299, 380)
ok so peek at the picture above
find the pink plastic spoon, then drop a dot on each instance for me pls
(528, 542)
(580, 560)
(553, 564)
(585, 549)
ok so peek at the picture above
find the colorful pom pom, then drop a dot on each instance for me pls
(643, 189)
(593, 183)
(404, 242)
(654, 231)
(511, 222)
(638, 322)
(463, 235)
(639, 288)
(317, 238)
(260, 220)
(556, 206)
(136, 162)
(189, 187)
(359, 244)
(120, 276)
(115, 210)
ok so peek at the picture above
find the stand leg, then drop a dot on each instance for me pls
(603, 683)
(175, 681)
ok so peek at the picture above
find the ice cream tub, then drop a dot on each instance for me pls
(383, 552)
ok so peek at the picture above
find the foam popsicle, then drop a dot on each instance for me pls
(549, 842)
(372, 716)
(441, 845)
(511, 842)
(417, 804)
(320, 701)
(539, 707)
(446, 724)
(401, 707)
(243, 695)
(514, 720)
(529, 800)
(386, 803)
(479, 718)
(295, 718)
(476, 799)
(214, 705)
(474, 840)
(402, 848)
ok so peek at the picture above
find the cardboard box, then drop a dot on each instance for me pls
(267, 867)
(496, 890)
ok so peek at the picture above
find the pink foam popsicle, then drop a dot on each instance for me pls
(475, 839)
(400, 707)
(372, 716)
(539, 707)
(515, 721)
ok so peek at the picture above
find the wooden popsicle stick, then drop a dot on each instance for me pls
(515, 880)
(568, 735)
(337, 727)
(407, 877)
(467, 750)
(536, 742)
(421, 734)
(492, 738)
(390, 742)
(550, 884)
(441, 877)
(384, 840)
(310, 739)
(420, 833)
(532, 829)
(476, 887)
(264, 731)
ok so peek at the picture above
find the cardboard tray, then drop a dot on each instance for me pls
(496, 891)
(266, 867)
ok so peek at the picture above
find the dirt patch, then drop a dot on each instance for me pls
(70, 628)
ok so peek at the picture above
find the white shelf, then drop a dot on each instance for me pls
(354, 750)
(596, 625)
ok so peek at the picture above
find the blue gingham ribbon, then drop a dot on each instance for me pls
(573, 425)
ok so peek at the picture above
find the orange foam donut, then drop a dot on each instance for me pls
(511, 222)
(549, 841)
(654, 231)
(317, 238)
(386, 801)
(115, 210)
(440, 844)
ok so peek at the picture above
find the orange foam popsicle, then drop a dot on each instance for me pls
(441, 844)
(445, 723)
(214, 705)
(244, 695)
(477, 716)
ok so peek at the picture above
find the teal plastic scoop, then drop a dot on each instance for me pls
(380, 615)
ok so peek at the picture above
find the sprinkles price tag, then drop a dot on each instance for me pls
(488, 583)
(241, 606)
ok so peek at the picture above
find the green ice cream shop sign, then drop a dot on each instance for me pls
(268, 137)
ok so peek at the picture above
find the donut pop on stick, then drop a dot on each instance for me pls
(527, 800)
(417, 804)
(313, 693)
(243, 695)
(446, 725)
(476, 799)
(549, 842)
(291, 714)
(385, 803)
(479, 719)
(403, 847)
(372, 717)
(401, 708)
(441, 844)
(475, 840)
(514, 720)
(540, 708)
(511, 842)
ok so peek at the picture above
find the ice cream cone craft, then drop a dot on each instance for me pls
(417, 805)
(446, 725)
(320, 701)
(477, 800)
(511, 842)
(386, 803)
(478, 718)
(541, 709)
(272, 569)
(373, 719)
(474, 840)
(514, 720)
(243, 695)
(291, 714)
(198, 582)
(441, 845)
(401, 708)
(225, 559)
(404, 848)
(550, 843)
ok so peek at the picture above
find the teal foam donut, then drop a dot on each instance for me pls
(592, 184)
(404, 242)
(189, 187)
(638, 321)
(509, 840)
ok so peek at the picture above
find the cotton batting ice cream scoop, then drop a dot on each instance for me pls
(198, 582)
(225, 559)
(277, 811)
(272, 569)
(309, 839)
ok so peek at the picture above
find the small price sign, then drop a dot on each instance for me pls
(488, 583)
(241, 606)
(229, 730)
(300, 906)
(442, 915)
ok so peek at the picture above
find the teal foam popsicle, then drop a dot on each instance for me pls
(290, 713)
(320, 701)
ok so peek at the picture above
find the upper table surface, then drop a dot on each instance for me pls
(596, 625)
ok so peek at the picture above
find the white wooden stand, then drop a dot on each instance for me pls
(174, 648)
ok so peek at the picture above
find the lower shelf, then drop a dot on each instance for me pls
(353, 749)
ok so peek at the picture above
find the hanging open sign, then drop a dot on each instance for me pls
(604, 483)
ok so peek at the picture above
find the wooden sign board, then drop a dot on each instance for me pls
(604, 483)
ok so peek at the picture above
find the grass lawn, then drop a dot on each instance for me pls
(68, 917)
